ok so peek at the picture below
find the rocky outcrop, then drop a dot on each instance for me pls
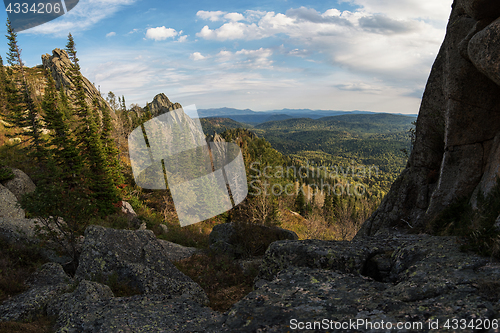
(20, 184)
(59, 64)
(8, 205)
(11, 191)
(131, 215)
(458, 128)
(398, 278)
(161, 104)
(169, 301)
(45, 285)
(176, 252)
(239, 240)
(92, 309)
(137, 257)
(413, 279)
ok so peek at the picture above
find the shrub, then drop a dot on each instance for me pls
(221, 278)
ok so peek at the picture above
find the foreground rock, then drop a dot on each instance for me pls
(176, 252)
(136, 257)
(418, 279)
(8, 205)
(21, 184)
(91, 308)
(45, 285)
(239, 240)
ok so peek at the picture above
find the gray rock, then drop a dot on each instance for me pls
(20, 184)
(480, 9)
(49, 282)
(127, 209)
(176, 252)
(8, 205)
(483, 51)
(135, 256)
(164, 228)
(430, 279)
(161, 104)
(142, 313)
(16, 230)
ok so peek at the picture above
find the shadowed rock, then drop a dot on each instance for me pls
(137, 257)
(46, 284)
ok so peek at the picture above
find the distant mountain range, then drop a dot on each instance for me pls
(251, 117)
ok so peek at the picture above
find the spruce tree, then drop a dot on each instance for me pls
(109, 145)
(62, 145)
(99, 175)
(23, 114)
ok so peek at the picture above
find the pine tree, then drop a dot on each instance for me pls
(110, 150)
(62, 145)
(99, 175)
(300, 201)
(23, 113)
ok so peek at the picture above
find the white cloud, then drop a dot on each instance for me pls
(406, 9)
(197, 56)
(210, 15)
(111, 34)
(363, 41)
(250, 59)
(234, 17)
(86, 14)
(161, 33)
(182, 38)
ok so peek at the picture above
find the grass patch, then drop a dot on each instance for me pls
(222, 279)
(17, 263)
(119, 287)
(40, 325)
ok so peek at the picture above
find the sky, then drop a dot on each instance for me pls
(371, 55)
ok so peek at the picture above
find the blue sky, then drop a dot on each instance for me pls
(372, 55)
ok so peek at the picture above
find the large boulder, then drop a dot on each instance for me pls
(133, 256)
(20, 184)
(176, 252)
(91, 308)
(399, 278)
(49, 282)
(9, 207)
(239, 240)
(456, 145)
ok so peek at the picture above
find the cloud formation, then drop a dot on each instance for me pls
(85, 14)
(161, 33)
(398, 49)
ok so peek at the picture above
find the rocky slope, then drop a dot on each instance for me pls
(59, 64)
(456, 151)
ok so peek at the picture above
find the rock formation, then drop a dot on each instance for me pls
(457, 145)
(59, 64)
(402, 278)
(161, 104)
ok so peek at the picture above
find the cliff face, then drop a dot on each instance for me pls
(59, 64)
(457, 148)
